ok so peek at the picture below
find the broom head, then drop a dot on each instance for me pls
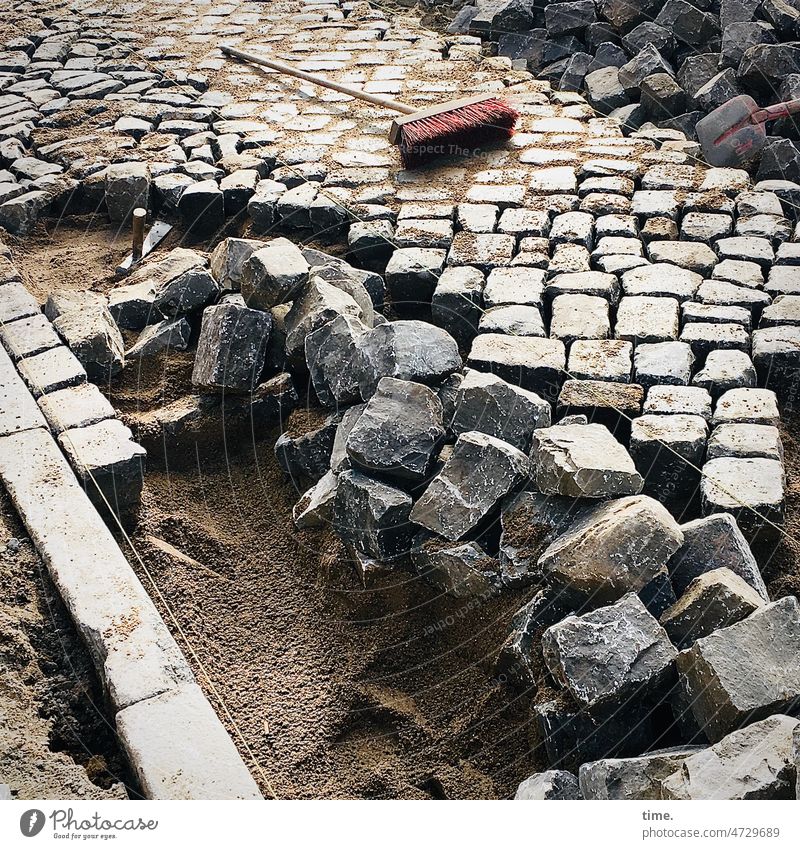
(456, 128)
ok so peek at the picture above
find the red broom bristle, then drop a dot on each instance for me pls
(459, 132)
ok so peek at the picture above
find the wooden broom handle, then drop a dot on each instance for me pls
(284, 68)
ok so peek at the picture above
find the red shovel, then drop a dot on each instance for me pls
(735, 132)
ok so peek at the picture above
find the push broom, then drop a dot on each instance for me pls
(457, 126)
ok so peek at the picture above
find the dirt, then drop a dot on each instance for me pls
(56, 741)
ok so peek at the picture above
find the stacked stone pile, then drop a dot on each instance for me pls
(670, 62)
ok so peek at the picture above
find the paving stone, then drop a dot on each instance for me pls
(745, 440)
(738, 271)
(231, 348)
(579, 317)
(600, 401)
(109, 463)
(662, 364)
(534, 364)
(655, 203)
(610, 654)
(273, 274)
(462, 570)
(482, 250)
(307, 455)
(227, 261)
(752, 489)
(668, 450)
(595, 283)
(75, 407)
(725, 370)
(747, 406)
(93, 337)
(477, 217)
(412, 275)
(28, 336)
(785, 309)
(407, 350)
(553, 784)
(618, 547)
(488, 404)
(582, 461)
(704, 337)
(398, 432)
(662, 280)
(481, 471)
(751, 763)
(521, 285)
(696, 257)
(714, 600)
(263, 205)
(513, 320)
(19, 215)
(783, 280)
(644, 319)
(54, 369)
(524, 222)
(202, 208)
(456, 302)
(705, 227)
(331, 354)
(132, 306)
(315, 508)
(668, 400)
(318, 303)
(723, 293)
(172, 334)
(17, 411)
(746, 248)
(715, 314)
(600, 359)
(776, 355)
(714, 542)
(573, 228)
(127, 187)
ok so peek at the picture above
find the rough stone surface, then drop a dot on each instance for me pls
(481, 471)
(618, 547)
(752, 763)
(398, 432)
(745, 672)
(632, 778)
(553, 784)
(231, 349)
(486, 403)
(582, 461)
(611, 654)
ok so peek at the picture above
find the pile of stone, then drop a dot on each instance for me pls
(669, 63)
(734, 693)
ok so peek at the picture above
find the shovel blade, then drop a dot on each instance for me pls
(726, 135)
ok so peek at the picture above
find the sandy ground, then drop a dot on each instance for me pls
(339, 691)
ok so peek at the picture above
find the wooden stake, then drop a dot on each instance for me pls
(139, 216)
